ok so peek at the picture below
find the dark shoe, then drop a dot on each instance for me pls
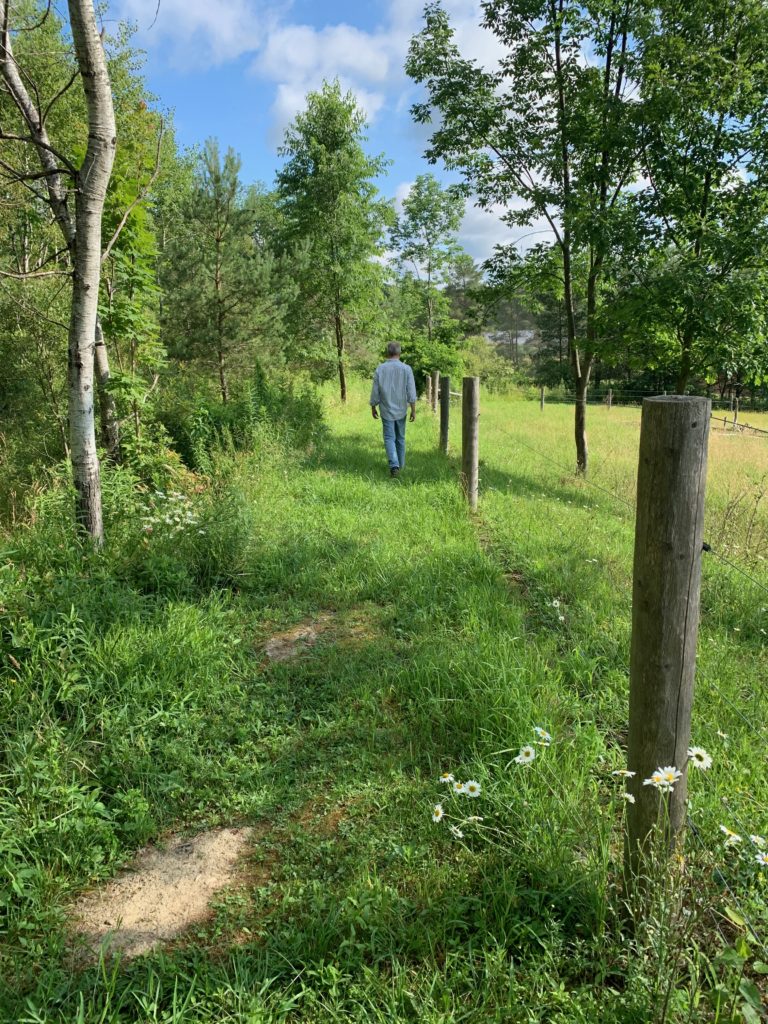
(394, 471)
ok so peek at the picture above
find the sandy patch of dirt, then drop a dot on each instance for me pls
(293, 642)
(163, 893)
(354, 627)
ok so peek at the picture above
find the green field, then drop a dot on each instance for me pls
(138, 701)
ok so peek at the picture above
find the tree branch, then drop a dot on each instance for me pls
(141, 195)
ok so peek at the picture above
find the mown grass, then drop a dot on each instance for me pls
(137, 699)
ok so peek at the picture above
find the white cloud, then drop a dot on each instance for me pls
(482, 230)
(300, 52)
(199, 32)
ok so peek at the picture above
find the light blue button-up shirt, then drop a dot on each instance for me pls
(393, 389)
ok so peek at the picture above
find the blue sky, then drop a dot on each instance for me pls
(240, 69)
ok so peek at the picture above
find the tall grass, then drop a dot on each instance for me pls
(137, 699)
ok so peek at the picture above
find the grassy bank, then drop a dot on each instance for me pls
(138, 699)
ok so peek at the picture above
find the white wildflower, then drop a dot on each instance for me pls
(437, 813)
(472, 788)
(699, 758)
(731, 838)
(526, 755)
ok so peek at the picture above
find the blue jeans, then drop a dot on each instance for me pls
(394, 441)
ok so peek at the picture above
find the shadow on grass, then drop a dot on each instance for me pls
(368, 723)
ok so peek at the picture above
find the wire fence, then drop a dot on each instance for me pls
(712, 685)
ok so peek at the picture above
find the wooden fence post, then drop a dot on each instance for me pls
(671, 477)
(429, 389)
(735, 412)
(541, 399)
(445, 412)
(435, 389)
(470, 448)
(610, 397)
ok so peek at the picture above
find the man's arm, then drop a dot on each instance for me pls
(411, 394)
(375, 396)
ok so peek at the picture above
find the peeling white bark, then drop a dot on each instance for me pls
(81, 231)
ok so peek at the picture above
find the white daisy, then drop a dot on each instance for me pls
(472, 788)
(671, 775)
(437, 813)
(446, 777)
(543, 735)
(456, 832)
(731, 838)
(699, 758)
(662, 779)
(556, 603)
(762, 859)
(622, 773)
(458, 787)
(628, 797)
(526, 755)
(758, 841)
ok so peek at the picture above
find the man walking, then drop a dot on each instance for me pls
(394, 389)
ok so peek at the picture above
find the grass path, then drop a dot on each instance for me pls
(446, 641)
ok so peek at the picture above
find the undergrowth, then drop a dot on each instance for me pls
(137, 699)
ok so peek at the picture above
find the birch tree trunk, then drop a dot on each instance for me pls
(82, 232)
(90, 192)
(110, 426)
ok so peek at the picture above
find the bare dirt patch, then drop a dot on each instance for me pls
(162, 894)
(294, 642)
(352, 628)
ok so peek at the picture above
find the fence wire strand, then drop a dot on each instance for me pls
(713, 686)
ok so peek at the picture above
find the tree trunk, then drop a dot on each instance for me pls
(91, 189)
(110, 426)
(686, 362)
(340, 356)
(82, 234)
(580, 424)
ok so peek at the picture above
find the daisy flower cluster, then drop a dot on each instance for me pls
(758, 843)
(623, 773)
(528, 750)
(171, 514)
(664, 779)
(556, 605)
(471, 788)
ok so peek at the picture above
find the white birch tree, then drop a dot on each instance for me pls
(76, 197)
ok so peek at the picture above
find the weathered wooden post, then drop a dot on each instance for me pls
(671, 478)
(445, 412)
(735, 412)
(429, 389)
(470, 447)
(610, 397)
(541, 399)
(435, 389)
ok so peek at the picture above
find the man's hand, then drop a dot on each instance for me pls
(374, 413)
(413, 412)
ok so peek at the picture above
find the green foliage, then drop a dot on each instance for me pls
(199, 424)
(699, 260)
(333, 220)
(482, 359)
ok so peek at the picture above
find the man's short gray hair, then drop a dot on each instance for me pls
(393, 348)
